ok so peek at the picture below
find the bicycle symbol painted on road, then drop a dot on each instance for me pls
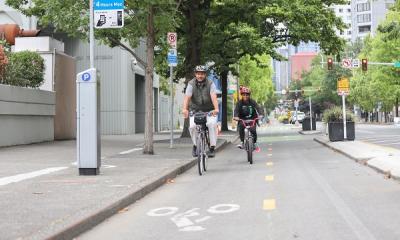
(182, 220)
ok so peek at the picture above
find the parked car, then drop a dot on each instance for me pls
(300, 117)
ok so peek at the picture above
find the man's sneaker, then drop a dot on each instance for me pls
(194, 151)
(211, 152)
(240, 145)
(256, 147)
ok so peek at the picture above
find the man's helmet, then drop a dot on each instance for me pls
(200, 68)
(245, 90)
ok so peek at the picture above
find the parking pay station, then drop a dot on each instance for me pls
(88, 123)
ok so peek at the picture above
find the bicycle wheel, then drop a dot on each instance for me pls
(200, 153)
(205, 158)
(250, 150)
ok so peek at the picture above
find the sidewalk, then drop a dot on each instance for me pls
(385, 160)
(43, 197)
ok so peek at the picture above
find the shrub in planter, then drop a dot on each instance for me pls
(24, 69)
(334, 118)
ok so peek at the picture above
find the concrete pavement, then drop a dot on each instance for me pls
(383, 159)
(43, 197)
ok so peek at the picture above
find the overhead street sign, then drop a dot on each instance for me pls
(108, 13)
(172, 39)
(172, 57)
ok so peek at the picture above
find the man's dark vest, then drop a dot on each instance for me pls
(201, 98)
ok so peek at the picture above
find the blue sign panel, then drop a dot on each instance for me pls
(108, 4)
(86, 77)
(172, 57)
(397, 64)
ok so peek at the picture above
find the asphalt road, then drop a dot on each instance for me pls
(385, 135)
(296, 189)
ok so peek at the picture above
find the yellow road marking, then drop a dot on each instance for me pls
(270, 163)
(269, 204)
(269, 178)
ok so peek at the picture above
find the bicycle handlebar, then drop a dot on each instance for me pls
(249, 122)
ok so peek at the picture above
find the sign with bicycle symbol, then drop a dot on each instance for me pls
(189, 221)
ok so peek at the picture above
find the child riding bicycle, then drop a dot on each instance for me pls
(247, 109)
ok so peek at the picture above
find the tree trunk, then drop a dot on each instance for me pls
(224, 85)
(148, 129)
(397, 107)
(195, 31)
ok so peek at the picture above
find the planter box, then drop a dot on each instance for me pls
(335, 130)
(26, 115)
(306, 126)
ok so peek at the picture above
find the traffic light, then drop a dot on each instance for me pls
(330, 63)
(364, 64)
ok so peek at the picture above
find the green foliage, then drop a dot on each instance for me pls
(335, 114)
(258, 77)
(319, 77)
(380, 84)
(72, 18)
(25, 69)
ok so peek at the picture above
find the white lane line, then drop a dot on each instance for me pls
(25, 176)
(131, 150)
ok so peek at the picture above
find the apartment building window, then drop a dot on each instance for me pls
(362, 18)
(349, 10)
(362, 7)
(364, 29)
(348, 32)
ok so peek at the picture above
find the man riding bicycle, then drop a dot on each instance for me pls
(247, 109)
(202, 96)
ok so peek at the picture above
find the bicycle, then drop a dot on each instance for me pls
(248, 137)
(202, 141)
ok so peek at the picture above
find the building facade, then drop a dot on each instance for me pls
(345, 13)
(367, 15)
(121, 78)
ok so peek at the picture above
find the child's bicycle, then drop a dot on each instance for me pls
(248, 138)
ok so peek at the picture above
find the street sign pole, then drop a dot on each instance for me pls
(309, 99)
(344, 115)
(91, 34)
(171, 144)
(172, 61)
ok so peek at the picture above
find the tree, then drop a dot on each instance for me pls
(238, 28)
(258, 78)
(380, 83)
(147, 19)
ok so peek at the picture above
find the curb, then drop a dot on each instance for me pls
(360, 161)
(95, 219)
(341, 152)
(307, 133)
